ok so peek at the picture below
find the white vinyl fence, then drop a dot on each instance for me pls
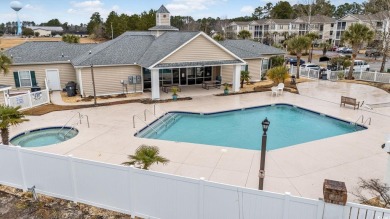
(338, 75)
(29, 99)
(150, 194)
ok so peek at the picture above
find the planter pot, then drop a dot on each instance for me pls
(226, 92)
(174, 97)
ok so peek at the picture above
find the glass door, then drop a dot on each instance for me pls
(183, 76)
(175, 76)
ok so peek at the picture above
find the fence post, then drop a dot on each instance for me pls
(286, 205)
(73, 177)
(376, 73)
(320, 208)
(201, 198)
(361, 72)
(130, 182)
(21, 168)
(47, 91)
(29, 99)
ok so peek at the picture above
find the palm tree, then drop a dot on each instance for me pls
(245, 76)
(313, 36)
(145, 156)
(5, 63)
(218, 37)
(325, 47)
(356, 35)
(68, 38)
(297, 45)
(244, 34)
(10, 116)
(278, 74)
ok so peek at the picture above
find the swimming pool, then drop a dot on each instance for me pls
(44, 136)
(290, 125)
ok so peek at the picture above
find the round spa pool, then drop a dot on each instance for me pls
(44, 136)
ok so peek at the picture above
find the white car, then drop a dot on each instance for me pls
(340, 49)
(311, 66)
(359, 65)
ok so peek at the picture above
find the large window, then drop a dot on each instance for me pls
(165, 76)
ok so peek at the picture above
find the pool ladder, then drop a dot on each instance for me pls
(363, 122)
(80, 118)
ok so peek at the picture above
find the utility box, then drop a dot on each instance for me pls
(335, 192)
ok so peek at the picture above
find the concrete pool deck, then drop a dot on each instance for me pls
(299, 169)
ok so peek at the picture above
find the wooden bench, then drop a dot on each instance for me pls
(349, 101)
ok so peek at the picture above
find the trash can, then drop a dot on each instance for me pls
(388, 70)
(71, 88)
(35, 89)
(324, 76)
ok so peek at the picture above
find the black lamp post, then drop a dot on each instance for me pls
(265, 125)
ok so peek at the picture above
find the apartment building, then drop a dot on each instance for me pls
(232, 30)
(320, 24)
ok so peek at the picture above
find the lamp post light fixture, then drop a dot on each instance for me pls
(265, 124)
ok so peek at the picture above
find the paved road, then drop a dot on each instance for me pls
(375, 65)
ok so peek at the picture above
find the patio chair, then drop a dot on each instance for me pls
(280, 88)
(274, 90)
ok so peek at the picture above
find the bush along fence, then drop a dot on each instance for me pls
(150, 194)
(341, 74)
(29, 99)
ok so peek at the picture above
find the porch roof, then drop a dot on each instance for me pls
(197, 64)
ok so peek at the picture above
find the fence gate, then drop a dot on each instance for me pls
(30, 99)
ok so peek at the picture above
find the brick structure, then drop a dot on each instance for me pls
(335, 192)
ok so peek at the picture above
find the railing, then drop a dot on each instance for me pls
(305, 72)
(148, 125)
(360, 75)
(81, 116)
(30, 99)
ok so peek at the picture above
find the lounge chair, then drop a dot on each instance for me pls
(280, 88)
(274, 91)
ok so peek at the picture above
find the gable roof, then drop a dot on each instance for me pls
(123, 50)
(316, 19)
(46, 52)
(58, 29)
(164, 45)
(280, 21)
(162, 9)
(249, 49)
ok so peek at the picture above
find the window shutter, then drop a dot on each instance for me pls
(33, 79)
(16, 77)
(246, 67)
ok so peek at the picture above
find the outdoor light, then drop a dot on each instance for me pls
(265, 125)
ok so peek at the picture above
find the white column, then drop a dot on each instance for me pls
(155, 84)
(236, 77)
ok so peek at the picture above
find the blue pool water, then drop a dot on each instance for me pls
(242, 128)
(44, 136)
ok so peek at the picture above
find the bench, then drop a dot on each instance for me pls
(167, 88)
(208, 84)
(349, 101)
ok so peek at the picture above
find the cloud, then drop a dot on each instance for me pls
(247, 9)
(183, 7)
(86, 8)
(87, 4)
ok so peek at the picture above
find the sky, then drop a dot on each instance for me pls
(79, 11)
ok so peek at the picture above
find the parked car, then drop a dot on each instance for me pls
(311, 66)
(373, 53)
(347, 50)
(340, 49)
(333, 48)
(293, 61)
(359, 65)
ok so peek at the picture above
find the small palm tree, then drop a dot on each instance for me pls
(356, 35)
(244, 34)
(5, 63)
(145, 156)
(278, 74)
(245, 76)
(10, 116)
(218, 37)
(68, 38)
(325, 47)
(297, 45)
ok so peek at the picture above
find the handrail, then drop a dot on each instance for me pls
(67, 122)
(81, 116)
(369, 121)
(147, 125)
(73, 126)
(362, 116)
(164, 112)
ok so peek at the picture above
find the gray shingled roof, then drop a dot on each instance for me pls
(162, 9)
(164, 45)
(58, 29)
(195, 64)
(125, 49)
(163, 27)
(249, 49)
(46, 52)
(318, 19)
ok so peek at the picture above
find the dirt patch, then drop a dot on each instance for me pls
(78, 99)
(48, 108)
(6, 43)
(16, 204)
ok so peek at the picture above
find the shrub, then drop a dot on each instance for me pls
(278, 74)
